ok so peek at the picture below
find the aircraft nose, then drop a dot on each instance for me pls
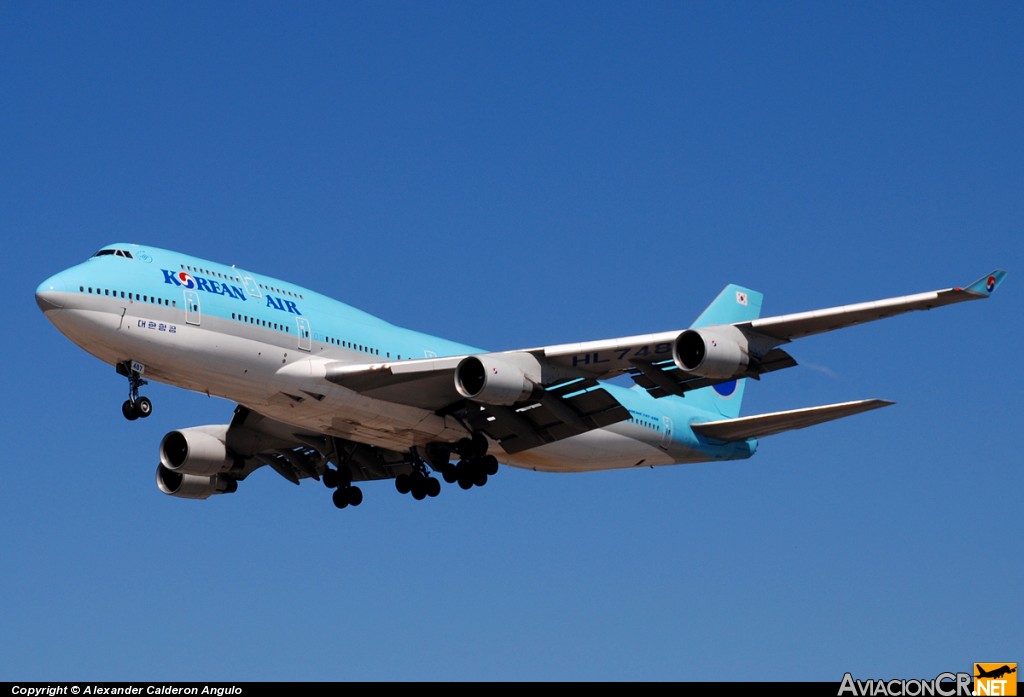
(48, 294)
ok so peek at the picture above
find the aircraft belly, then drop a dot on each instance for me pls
(346, 414)
(591, 451)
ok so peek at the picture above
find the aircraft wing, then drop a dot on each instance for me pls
(651, 359)
(550, 412)
(785, 328)
(778, 422)
(552, 392)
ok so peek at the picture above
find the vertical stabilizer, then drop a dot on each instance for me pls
(733, 304)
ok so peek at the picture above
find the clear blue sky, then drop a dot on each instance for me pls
(516, 174)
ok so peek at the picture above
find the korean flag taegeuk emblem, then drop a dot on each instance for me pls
(741, 298)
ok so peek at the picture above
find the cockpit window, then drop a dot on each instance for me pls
(114, 252)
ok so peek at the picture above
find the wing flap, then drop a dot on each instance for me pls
(563, 409)
(665, 378)
(778, 422)
(548, 419)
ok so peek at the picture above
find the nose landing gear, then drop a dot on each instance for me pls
(134, 407)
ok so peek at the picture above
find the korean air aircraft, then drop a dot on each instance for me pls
(327, 392)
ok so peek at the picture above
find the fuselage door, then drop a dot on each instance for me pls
(305, 335)
(666, 435)
(192, 307)
(251, 286)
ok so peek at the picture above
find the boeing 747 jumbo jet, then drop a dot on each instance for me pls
(327, 392)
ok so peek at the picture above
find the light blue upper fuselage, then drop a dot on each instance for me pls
(160, 293)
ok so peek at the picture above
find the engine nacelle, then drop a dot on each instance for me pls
(199, 450)
(502, 380)
(192, 486)
(719, 352)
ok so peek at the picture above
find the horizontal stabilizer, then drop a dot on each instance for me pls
(777, 422)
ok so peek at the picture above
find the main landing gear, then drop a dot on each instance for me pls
(134, 407)
(475, 466)
(472, 469)
(346, 494)
(419, 483)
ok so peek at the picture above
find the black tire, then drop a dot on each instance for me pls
(419, 489)
(433, 487)
(330, 479)
(340, 498)
(143, 407)
(450, 473)
(344, 476)
(466, 480)
(465, 448)
(490, 465)
(355, 495)
(479, 445)
(403, 483)
(480, 478)
(128, 410)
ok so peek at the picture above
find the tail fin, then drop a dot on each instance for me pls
(733, 304)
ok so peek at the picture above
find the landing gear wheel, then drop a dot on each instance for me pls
(340, 498)
(465, 448)
(128, 409)
(355, 495)
(403, 484)
(419, 489)
(433, 487)
(135, 406)
(143, 407)
(466, 480)
(479, 478)
(479, 444)
(330, 479)
(450, 473)
(344, 477)
(490, 465)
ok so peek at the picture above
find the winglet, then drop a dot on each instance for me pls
(987, 284)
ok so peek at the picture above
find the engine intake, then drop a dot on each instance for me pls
(718, 352)
(192, 486)
(503, 380)
(199, 451)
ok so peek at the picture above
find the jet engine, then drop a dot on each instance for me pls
(198, 450)
(718, 352)
(502, 379)
(193, 486)
(194, 462)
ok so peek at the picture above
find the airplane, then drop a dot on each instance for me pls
(995, 673)
(327, 392)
